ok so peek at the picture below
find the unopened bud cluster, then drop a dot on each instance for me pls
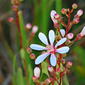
(29, 26)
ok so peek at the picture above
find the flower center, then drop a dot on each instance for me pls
(51, 49)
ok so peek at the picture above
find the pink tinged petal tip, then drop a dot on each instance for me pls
(51, 37)
(60, 42)
(62, 31)
(41, 58)
(43, 38)
(53, 60)
(35, 29)
(37, 47)
(52, 14)
(80, 12)
(83, 32)
(63, 50)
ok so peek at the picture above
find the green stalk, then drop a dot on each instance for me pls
(36, 13)
(20, 77)
(22, 29)
(25, 57)
(44, 22)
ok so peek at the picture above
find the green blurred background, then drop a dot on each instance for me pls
(37, 12)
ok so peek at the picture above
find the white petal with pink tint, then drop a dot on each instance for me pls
(43, 38)
(63, 50)
(80, 12)
(35, 29)
(41, 58)
(37, 72)
(37, 47)
(51, 37)
(52, 14)
(62, 31)
(60, 42)
(83, 31)
(53, 60)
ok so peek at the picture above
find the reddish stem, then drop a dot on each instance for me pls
(53, 83)
(60, 80)
(18, 26)
(59, 60)
(68, 25)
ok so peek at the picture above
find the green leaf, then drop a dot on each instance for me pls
(43, 77)
(22, 53)
(18, 39)
(44, 23)
(20, 77)
(14, 65)
(80, 53)
(55, 83)
(44, 66)
(65, 80)
(14, 82)
(25, 56)
(22, 29)
(9, 51)
(30, 74)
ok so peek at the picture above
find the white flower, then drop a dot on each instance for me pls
(50, 49)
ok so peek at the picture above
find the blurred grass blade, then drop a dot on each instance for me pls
(14, 71)
(20, 78)
(65, 80)
(9, 50)
(14, 82)
(22, 28)
(58, 6)
(18, 39)
(30, 75)
(14, 65)
(28, 66)
(21, 0)
(44, 23)
(25, 55)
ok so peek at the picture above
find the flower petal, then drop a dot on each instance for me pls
(53, 60)
(37, 47)
(83, 31)
(43, 38)
(52, 14)
(41, 58)
(60, 42)
(62, 31)
(51, 37)
(63, 50)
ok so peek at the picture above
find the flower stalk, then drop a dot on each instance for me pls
(58, 46)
